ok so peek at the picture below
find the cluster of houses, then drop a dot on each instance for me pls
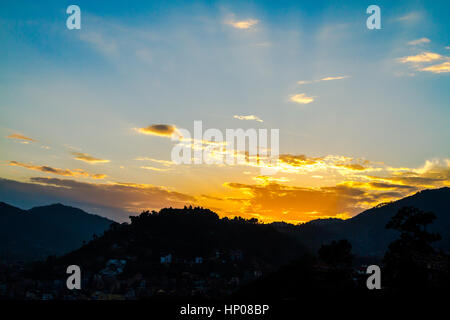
(217, 275)
(233, 255)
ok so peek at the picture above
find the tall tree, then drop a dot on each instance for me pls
(405, 260)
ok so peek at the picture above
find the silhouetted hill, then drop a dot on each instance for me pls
(47, 230)
(173, 253)
(367, 232)
(186, 234)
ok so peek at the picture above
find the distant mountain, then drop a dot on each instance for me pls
(48, 230)
(367, 232)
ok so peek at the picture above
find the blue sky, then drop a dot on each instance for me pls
(134, 65)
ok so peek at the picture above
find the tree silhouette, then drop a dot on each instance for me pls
(405, 260)
(337, 254)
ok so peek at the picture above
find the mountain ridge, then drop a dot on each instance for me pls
(366, 231)
(45, 230)
(57, 229)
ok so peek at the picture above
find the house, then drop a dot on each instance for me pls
(198, 260)
(114, 267)
(236, 255)
(166, 259)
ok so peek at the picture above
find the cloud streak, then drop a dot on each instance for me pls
(87, 158)
(113, 200)
(330, 78)
(419, 41)
(57, 171)
(437, 68)
(18, 136)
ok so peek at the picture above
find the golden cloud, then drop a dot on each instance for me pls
(20, 137)
(351, 166)
(301, 98)
(438, 68)
(57, 171)
(297, 160)
(423, 57)
(154, 168)
(435, 173)
(162, 130)
(87, 158)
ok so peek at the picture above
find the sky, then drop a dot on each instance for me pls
(90, 117)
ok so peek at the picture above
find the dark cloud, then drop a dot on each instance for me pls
(165, 130)
(382, 185)
(115, 201)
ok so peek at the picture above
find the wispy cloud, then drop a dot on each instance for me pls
(301, 98)
(409, 17)
(306, 81)
(333, 78)
(249, 117)
(243, 24)
(87, 158)
(57, 171)
(162, 130)
(163, 162)
(323, 79)
(106, 46)
(419, 41)
(18, 136)
(154, 168)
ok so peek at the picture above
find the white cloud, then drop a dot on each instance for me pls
(333, 78)
(301, 98)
